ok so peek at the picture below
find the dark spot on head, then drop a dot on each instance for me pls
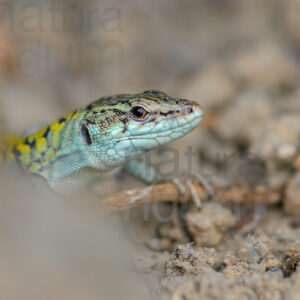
(46, 132)
(125, 121)
(102, 111)
(163, 114)
(118, 112)
(150, 92)
(155, 93)
(89, 107)
(62, 120)
(170, 112)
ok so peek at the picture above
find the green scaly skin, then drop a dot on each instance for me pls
(77, 148)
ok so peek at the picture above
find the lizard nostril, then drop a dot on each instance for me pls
(188, 109)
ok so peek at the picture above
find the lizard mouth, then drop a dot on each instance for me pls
(182, 125)
(172, 133)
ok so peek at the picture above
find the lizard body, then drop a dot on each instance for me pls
(103, 135)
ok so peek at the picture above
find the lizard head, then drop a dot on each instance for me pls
(118, 128)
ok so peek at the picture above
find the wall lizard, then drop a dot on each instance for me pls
(98, 137)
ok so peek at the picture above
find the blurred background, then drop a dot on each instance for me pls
(238, 59)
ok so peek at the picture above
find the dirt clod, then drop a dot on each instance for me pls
(208, 225)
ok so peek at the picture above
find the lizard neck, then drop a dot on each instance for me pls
(42, 152)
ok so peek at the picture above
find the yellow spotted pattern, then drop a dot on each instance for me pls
(35, 151)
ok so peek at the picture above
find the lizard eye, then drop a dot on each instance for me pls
(139, 112)
(85, 135)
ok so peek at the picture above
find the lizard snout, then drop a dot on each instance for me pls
(192, 108)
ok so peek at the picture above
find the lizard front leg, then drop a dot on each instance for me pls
(139, 168)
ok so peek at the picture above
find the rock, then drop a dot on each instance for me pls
(292, 196)
(291, 265)
(278, 138)
(187, 260)
(286, 152)
(208, 225)
(293, 249)
(213, 286)
(255, 256)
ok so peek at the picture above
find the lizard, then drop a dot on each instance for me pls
(109, 133)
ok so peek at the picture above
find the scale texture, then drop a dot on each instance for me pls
(103, 135)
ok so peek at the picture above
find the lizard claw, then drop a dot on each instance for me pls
(183, 192)
(207, 187)
(182, 184)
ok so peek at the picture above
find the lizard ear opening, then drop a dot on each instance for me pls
(85, 135)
